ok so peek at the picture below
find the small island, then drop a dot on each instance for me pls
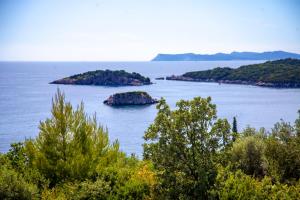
(105, 78)
(130, 98)
(283, 73)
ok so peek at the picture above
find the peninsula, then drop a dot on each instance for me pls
(283, 73)
(105, 78)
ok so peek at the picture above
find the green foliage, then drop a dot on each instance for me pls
(105, 77)
(234, 130)
(283, 152)
(216, 74)
(112, 183)
(72, 158)
(70, 145)
(189, 154)
(248, 131)
(183, 145)
(285, 72)
(297, 125)
(234, 125)
(186, 145)
(14, 186)
(237, 185)
(247, 154)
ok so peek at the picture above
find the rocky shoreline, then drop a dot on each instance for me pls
(240, 82)
(130, 98)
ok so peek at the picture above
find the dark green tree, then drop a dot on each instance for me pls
(297, 125)
(234, 125)
(234, 129)
(184, 145)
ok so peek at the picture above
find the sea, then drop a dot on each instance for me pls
(26, 96)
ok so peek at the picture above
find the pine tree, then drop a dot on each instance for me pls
(70, 145)
(234, 125)
(234, 129)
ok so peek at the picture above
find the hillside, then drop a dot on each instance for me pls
(280, 73)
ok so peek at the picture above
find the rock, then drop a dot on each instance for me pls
(105, 78)
(179, 78)
(130, 98)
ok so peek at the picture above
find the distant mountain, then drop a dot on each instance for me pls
(270, 55)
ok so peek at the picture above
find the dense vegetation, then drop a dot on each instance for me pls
(279, 73)
(189, 153)
(72, 158)
(106, 78)
(130, 98)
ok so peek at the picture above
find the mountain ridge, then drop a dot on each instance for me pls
(235, 55)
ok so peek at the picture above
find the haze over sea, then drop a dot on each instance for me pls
(25, 98)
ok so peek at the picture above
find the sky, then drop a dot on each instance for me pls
(137, 30)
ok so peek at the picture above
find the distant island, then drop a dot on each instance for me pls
(105, 78)
(284, 73)
(270, 55)
(130, 98)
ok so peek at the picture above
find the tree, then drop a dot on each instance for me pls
(247, 154)
(297, 125)
(234, 129)
(70, 145)
(234, 125)
(282, 152)
(183, 145)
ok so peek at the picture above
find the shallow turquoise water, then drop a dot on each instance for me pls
(25, 98)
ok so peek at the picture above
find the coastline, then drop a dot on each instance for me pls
(238, 82)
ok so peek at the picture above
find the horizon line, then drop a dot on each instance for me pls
(151, 60)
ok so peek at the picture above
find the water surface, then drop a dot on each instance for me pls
(25, 98)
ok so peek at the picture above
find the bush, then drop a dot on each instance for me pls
(13, 185)
(247, 154)
(237, 185)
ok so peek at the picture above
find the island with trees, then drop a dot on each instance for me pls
(130, 98)
(283, 73)
(106, 78)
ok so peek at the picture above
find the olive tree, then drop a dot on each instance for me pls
(184, 145)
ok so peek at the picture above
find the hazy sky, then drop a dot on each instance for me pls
(138, 29)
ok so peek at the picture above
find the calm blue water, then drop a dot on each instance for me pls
(25, 98)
